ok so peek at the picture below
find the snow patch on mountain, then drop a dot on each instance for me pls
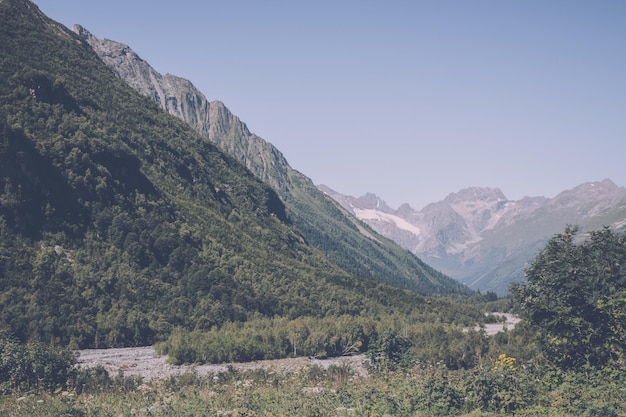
(375, 215)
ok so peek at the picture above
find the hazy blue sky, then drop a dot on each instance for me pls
(411, 100)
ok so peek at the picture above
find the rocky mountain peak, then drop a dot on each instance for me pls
(603, 187)
(599, 194)
(405, 210)
(178, 96)
(82, 32)
(372, 201)
(472, 194)
(485, 240)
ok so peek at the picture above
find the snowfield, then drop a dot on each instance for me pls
(369, 214)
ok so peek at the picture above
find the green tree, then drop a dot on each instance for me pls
(30, 366)
(576, 294)
(389, 351)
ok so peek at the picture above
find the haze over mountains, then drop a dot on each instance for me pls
(480, 237)
(476, 235)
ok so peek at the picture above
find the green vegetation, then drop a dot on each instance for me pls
(511, 373)
(34, 366)
(260, 339)
(499, 385)
(576, 294)
(118, 223)
(414, 368)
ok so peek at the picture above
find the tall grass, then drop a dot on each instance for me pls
(492, 388)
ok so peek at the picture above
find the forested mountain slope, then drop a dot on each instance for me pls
(322, 222)
(118, 222)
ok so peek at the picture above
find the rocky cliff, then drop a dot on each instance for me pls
(181, 98)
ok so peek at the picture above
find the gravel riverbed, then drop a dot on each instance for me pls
(145, 363)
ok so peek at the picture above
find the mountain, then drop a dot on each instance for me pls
(483, 239)
(324, 224)
(120, 223)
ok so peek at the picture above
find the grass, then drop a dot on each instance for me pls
(313, 391)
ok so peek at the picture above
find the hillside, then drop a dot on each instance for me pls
(483, 239)
(321, 221)
(119, 222)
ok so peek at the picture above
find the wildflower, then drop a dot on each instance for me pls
(504, 361)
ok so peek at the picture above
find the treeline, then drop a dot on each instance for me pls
(391, 341)
(266, 338)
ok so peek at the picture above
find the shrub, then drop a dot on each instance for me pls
(34, 366)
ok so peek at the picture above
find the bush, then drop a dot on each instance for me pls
(34, 366)
(576, 295)
(388, 352)
(93, 380)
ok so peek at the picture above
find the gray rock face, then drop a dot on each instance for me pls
(181, 98)
(325, 225)
(483, 239)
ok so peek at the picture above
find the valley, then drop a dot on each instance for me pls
(476, 235)
(157, 258)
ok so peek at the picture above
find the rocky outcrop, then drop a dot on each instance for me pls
(181, 98)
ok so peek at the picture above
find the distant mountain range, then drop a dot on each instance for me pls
(325, 225)
(480, 237)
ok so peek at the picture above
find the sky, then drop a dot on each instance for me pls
(409, 100)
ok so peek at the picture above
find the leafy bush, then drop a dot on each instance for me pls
(576, 295)
(389, 351)
(34, 366)
(92, 380)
